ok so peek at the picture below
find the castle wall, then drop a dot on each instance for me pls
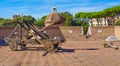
(101, 33)
(98, 33)
(117, 32)
(71, 33)
(5, 31)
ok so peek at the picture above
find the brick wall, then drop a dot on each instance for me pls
(101, 33)
(5, 31)
(70, 33)
(98, 33)
(55, 31)
(52, 32)
(117, 32)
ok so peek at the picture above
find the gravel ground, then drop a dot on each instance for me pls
(74, 53)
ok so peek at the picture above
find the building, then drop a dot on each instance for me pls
(54, 17)
(101, 22)
(105, 22)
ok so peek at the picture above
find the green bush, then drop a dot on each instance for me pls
(68, 22)
(117, 23)
(85, 26)
(4, 21)
(41, 21)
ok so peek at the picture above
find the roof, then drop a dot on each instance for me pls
(54, 17)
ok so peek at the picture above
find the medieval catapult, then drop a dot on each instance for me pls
(31, 31)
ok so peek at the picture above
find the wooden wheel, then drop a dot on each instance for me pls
(48, 45)
(13, 45)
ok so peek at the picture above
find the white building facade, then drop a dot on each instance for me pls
(101, 22)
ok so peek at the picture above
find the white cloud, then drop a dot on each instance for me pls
(45, 6)
(86, 7)
(83, 9)
(76, 5)
(39, 15)
(15, 10)
(112, 4)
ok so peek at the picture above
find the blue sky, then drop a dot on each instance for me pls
(39, 8)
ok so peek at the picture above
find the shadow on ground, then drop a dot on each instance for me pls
(88, 49)
(59, 49)
(72, 50)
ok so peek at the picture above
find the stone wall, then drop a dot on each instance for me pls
(117, 32)
(5, 31)
(69, 33)
(55, 31)
(52, 32)
(101, 33)
(72, 33)
(98, 33)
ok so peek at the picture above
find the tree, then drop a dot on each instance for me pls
(106, 13)
(4, 21)
(117, 23)
(79, 22)
(13, 22)
(1, 19)
(41, 21)
(68, 21)
(68, 17)
(66, 14)
(26, 18)
(76, 22)
(85, 26)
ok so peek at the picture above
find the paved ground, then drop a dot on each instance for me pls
(76, 53)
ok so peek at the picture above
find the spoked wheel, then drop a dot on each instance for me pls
(49, 47)
(13, 45)
(21, 44)
(52, 48)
